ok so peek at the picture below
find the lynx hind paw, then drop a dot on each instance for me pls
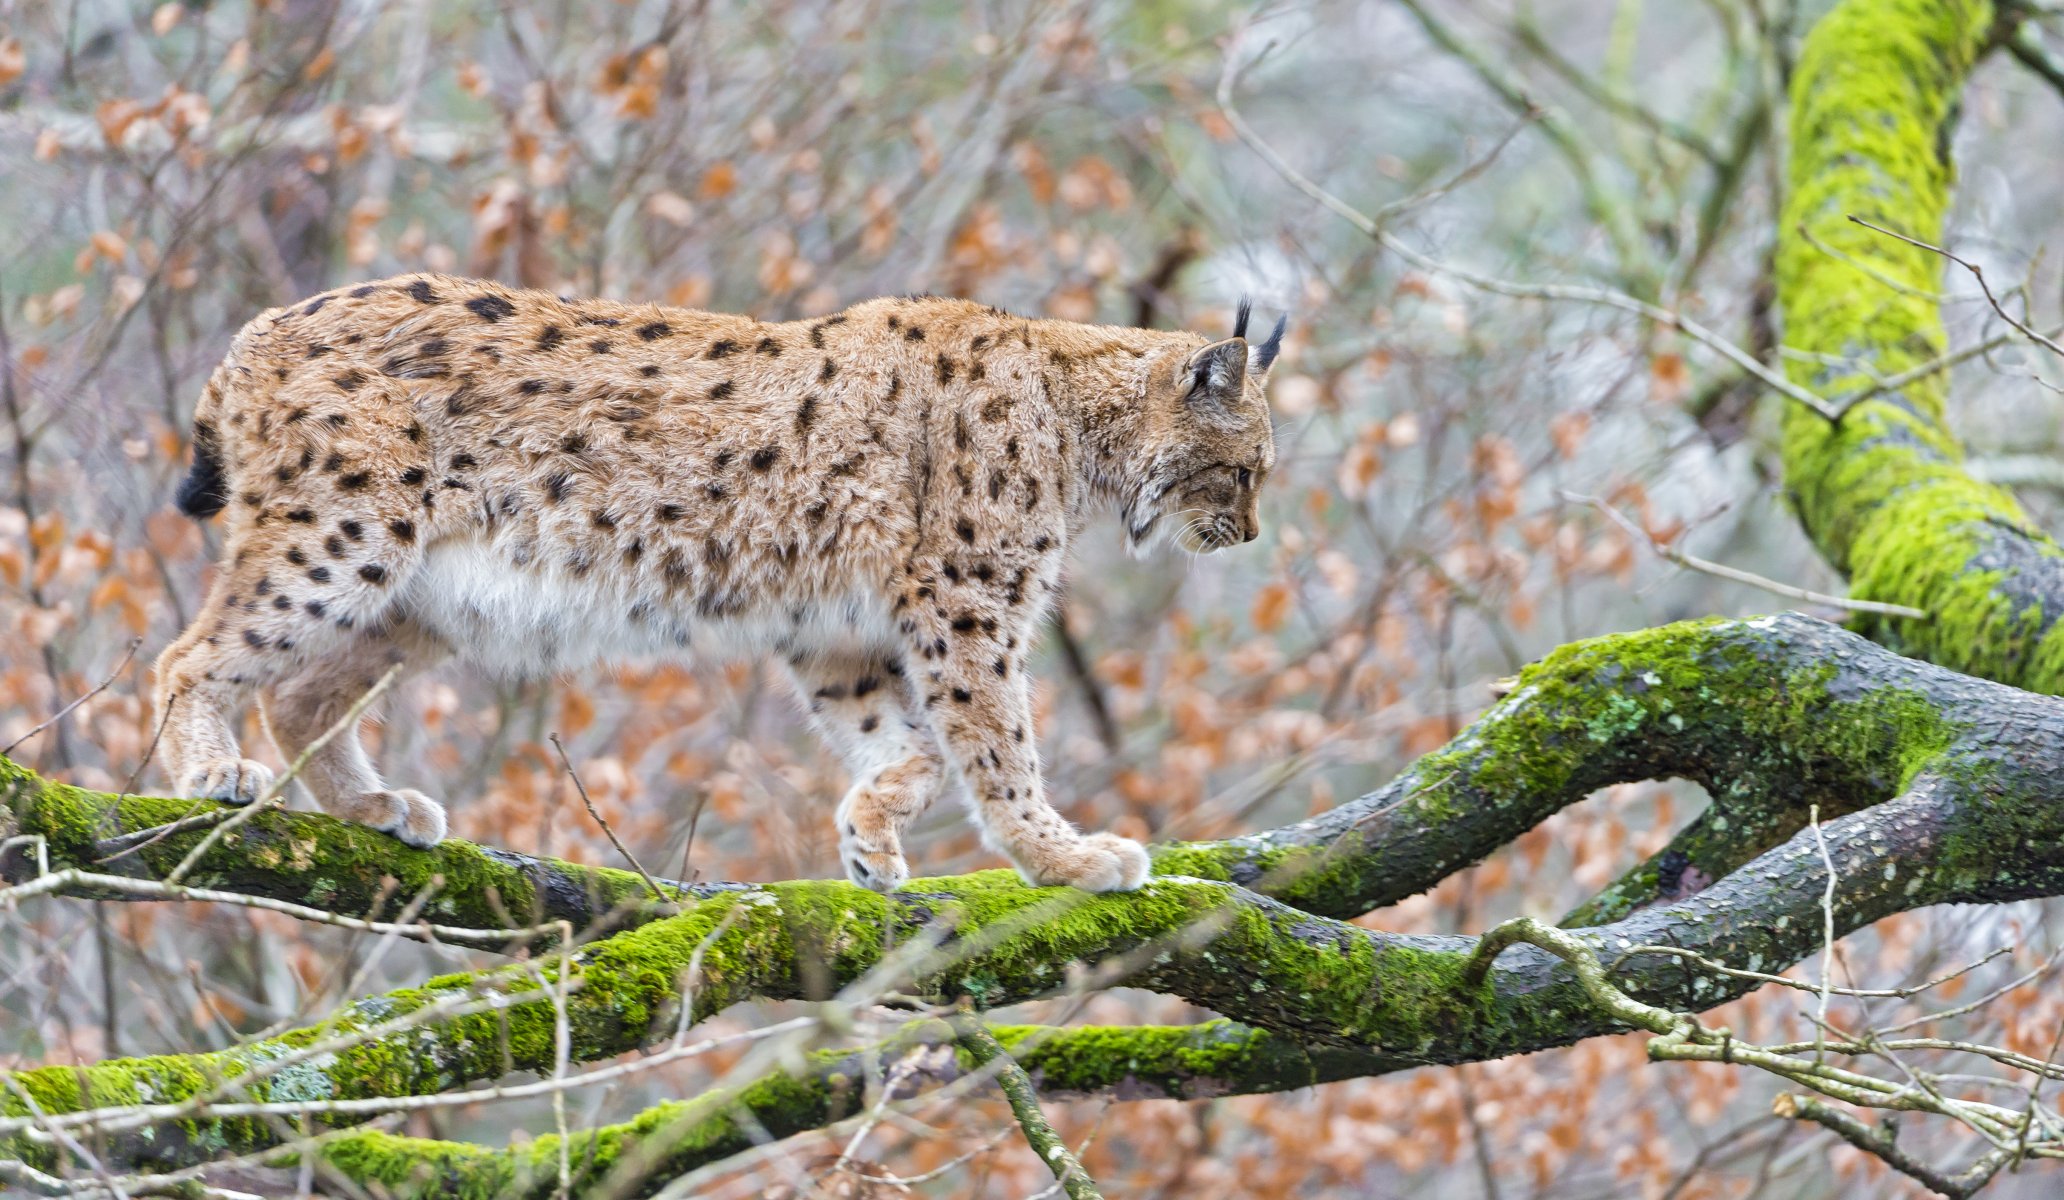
(404, 813)
(230, 780)
(1100, 862)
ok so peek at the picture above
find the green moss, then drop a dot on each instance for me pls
(1883, 492)
(312, 859)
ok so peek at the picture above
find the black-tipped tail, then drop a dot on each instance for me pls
(204, 492)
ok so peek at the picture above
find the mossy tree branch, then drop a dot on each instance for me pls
(1883, 492)
(1572, 727)
(1214, 1058)
(1964, 760)
(309, 859)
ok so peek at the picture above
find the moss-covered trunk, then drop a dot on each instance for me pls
(1883, 492)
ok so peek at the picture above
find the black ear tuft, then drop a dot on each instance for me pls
(1240, 319)
(1265, 354)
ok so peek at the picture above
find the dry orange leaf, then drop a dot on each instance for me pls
(717, 182)
(1271, 606)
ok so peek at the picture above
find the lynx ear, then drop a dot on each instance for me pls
(1217, 375)
(1265, 354)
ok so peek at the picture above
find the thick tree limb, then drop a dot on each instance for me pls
(308, 859)
(1146, 1062)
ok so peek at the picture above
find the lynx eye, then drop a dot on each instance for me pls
(1246, 477)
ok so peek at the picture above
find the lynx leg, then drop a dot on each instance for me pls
(967, 662)
(342, 779)
(291, 597)
(860, 704)
(236, 645)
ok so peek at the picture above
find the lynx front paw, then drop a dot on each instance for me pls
(230, 780)
(1100, 862)
(407, 814)
(881, 870)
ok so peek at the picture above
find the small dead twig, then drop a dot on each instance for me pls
(1737, 575)
(658, 892)
(1827, 947)
(66, 711)
(1977, 273)
(1879, 1142)
(1085, 678)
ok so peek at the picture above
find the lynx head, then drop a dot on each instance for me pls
(1209, 447)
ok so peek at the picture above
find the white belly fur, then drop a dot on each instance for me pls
(529, 622)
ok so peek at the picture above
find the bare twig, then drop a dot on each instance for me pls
(1827, 913)
(658, 893)
(73, 879)
(1681, 1038)
(1737, 575)
(1880, 1143)
(1977, 273)
(1583, 294)
(2026, 44)
(1085, 678)
(66, 711)
(1470, 170)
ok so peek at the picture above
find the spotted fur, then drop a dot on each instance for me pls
(429, 466)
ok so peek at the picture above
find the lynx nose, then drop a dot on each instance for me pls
(1253, 531)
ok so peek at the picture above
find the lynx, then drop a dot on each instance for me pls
(429, 466)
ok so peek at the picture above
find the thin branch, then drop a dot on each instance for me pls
(658, 893)
(72, 879)
(2026, 44)
(1608, 207)
(1078, 665)
(1877, 274)
(989, 1054)
(1475, 167)
(1583, 294)
(2037, 972)
(1737, 575)
(1681, 1038)
(1879, 1143)
(1977, 273)
(1827, 912)
(66, 711)
(1893, 383)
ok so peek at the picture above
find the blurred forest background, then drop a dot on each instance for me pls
(166, 172)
